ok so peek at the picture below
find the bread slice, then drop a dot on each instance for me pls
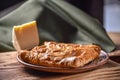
(63, 55)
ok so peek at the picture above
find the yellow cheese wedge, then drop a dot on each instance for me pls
(25, 36)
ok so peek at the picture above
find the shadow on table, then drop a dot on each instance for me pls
(43, 74)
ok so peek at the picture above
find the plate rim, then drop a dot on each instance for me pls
(73, 70)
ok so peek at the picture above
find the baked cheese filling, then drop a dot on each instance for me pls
(64, 55)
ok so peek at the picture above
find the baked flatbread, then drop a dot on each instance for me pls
(64, 55)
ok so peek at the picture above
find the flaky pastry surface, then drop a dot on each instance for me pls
(65, 55)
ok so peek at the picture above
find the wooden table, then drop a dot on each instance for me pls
(11, 69)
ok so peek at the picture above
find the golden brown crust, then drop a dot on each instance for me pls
(61, 55)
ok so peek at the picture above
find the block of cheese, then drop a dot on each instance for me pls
(25, 36)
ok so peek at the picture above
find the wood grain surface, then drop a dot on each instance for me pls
(11, 69)
(115, 55)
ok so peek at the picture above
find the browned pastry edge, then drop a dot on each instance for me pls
(55, 54)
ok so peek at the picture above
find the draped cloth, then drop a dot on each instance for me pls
(57, 20)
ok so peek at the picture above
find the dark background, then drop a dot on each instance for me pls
(8, 3)
(92, 7)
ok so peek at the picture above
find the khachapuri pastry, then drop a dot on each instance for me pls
(64, 55)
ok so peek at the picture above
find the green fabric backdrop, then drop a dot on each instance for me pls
(57, 20)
